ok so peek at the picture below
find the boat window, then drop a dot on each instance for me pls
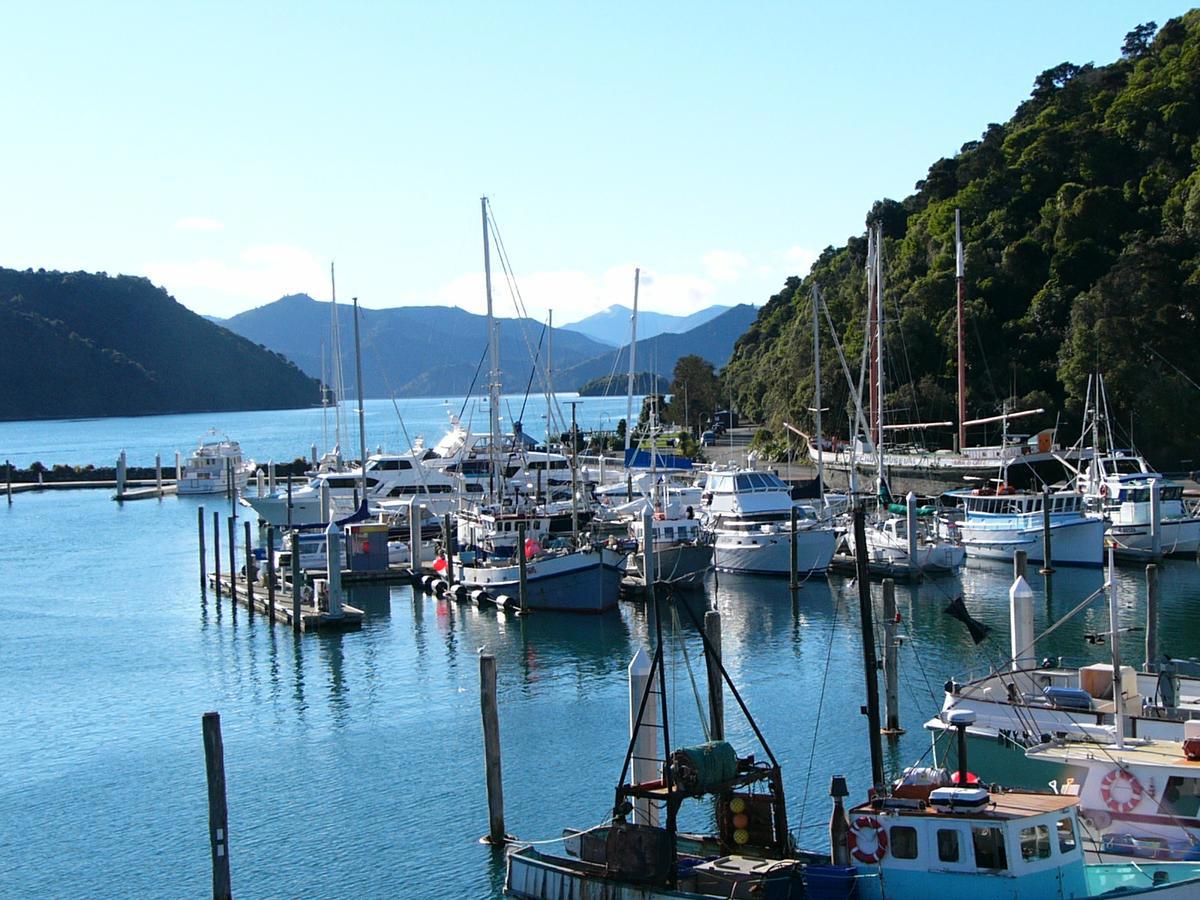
(903, 841)
(1066, 835)
(743, 482)
(989, 847)
(669, 533)
(1171, 493)
(1035, 842)
(947, 840)
(1180, 797)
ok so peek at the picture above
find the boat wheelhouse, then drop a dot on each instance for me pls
(996, 523)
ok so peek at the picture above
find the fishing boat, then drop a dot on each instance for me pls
(212, 466)
(999, 520)
(908, 545)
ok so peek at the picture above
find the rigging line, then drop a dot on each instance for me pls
(682, 645)
(467, 398)
(532, 372)
(1178, 371)
(983, 357)
(812, 750)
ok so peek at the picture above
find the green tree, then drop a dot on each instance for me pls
(695, 392)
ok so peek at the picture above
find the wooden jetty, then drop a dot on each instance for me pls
(311, 618)
(844, 564)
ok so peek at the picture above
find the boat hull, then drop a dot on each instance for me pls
(679, 564)
(587, 581)
(1078, 542)
(770, 554)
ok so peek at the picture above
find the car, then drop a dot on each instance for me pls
(707, 439)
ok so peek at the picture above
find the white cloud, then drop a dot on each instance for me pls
(198, 223)
(262, 273)
(802, 258)
(724, 265)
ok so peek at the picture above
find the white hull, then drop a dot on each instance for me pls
(1181, 536)
(219, 485)
(1078, 542)
(770, 554)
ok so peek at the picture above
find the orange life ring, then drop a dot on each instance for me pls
(1129, 780)
(1104, 490)
(870, 828)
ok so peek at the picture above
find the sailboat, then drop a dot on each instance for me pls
(567, 575)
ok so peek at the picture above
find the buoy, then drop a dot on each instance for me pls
(440, 586)
(459, 592)
(480, 597)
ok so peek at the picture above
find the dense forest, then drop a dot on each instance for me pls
(78, 344)
(1081, 220)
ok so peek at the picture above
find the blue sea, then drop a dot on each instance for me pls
(354, 762)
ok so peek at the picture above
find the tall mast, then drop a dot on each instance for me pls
(637, 274)
(879, 392)
(493, 356)
(816, 300)
(362, 429)
(324, 400)
(872, 341)
(960, 279)
(339, 386)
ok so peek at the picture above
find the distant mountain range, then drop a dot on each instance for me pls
(428, 351)
(611, 326)
(76, 344)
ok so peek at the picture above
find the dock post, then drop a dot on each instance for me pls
(8, 479)
(891, 661)
(910, 513)
(794, 580)
(448, 543)
(1020, 564)
(271, 477)
(644, 764)
(1020, 603)
(313, 452)
(326, 502)
(158, 473)
(1047, 564)
(1151, 664)
(1156, 549)
(218, 810)
(289, 502)
(649, 563)
(232, 523)
(522, 582)
(271, 571)
(297, 621)
(414, 537)
(491, 749)
(716, 687)
(260, 482)
(121, 475)
(203, 561)
(333, 568)
(250, 567)
(178, 468)
(217, 553)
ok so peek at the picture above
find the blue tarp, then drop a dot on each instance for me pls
(640, 459)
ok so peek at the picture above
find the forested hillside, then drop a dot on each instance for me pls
(1081, 220)
(79, 344)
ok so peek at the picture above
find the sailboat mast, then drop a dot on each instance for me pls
(637, 275)
(816, 300)
(324, 401)
(493, 356)
(362, 429)
(872, 341)
(961, 281)
(879, 392)
(339, 386)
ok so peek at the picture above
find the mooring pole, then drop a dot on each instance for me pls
(794, 583)
(8, 479)
(249, 567)
(203, 561)
(218, 811)
(271, 571)
(121, 472)
(1151, 664)
(522, 576)
(1047, 563)
(1020, 565)
(643, 733)
(158, 473)
(448, 543)
(297, 621)
(891, 663)
(217, 553)
(870, 666)
(1156, 548)
(491, 748)
(232, 523)
(716, 686)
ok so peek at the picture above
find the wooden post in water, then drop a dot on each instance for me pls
(289, 501)
(232, 523)
(794, 582)
(448, 543)
(491, 749)
(870, 667)
(1020, 565)
(218, 811)
(414, 537)
(217, 553)
(249, 567)
(716, 687)
(203, 561)
(271, 571)
(121, 475)
(1047, 563)
(8, 479)
(1156, 550)
(522, 582)
(891, 663)
(297, 622)
(178, 468)
(1151, 664)
(158, 473)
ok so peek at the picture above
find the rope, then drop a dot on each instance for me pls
(812, 751)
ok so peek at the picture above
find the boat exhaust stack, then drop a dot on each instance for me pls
(960, 719)
(839, 828)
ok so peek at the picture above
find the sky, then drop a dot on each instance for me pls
(231, 151)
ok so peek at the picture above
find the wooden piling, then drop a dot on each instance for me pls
(448, 543)
(8, 479)
(1047, 563)
(203, 561)
(158, 473)
(232, 523)
(794, 580)
(249, 567)
(217, 553)
(522, 583)
(491, 748)
(1151, 664)
(271, 571)
(296, 583)
(891, 663)
(716, 687)
(218, 810)
(1020, 565)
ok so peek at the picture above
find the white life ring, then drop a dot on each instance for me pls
(867, 840)
(1131, 790)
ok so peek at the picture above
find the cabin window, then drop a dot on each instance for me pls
(1066, 835)
(1180, 797)
(947, 841)
(989, 848)
(1035, 842)
(903, 842)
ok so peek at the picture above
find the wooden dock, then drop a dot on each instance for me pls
(311, 618)
(844, 564)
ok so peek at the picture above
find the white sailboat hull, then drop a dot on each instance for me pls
(770, 554)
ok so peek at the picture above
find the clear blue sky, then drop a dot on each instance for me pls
(231, 150)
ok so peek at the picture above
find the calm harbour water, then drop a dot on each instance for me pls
(354, 762)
